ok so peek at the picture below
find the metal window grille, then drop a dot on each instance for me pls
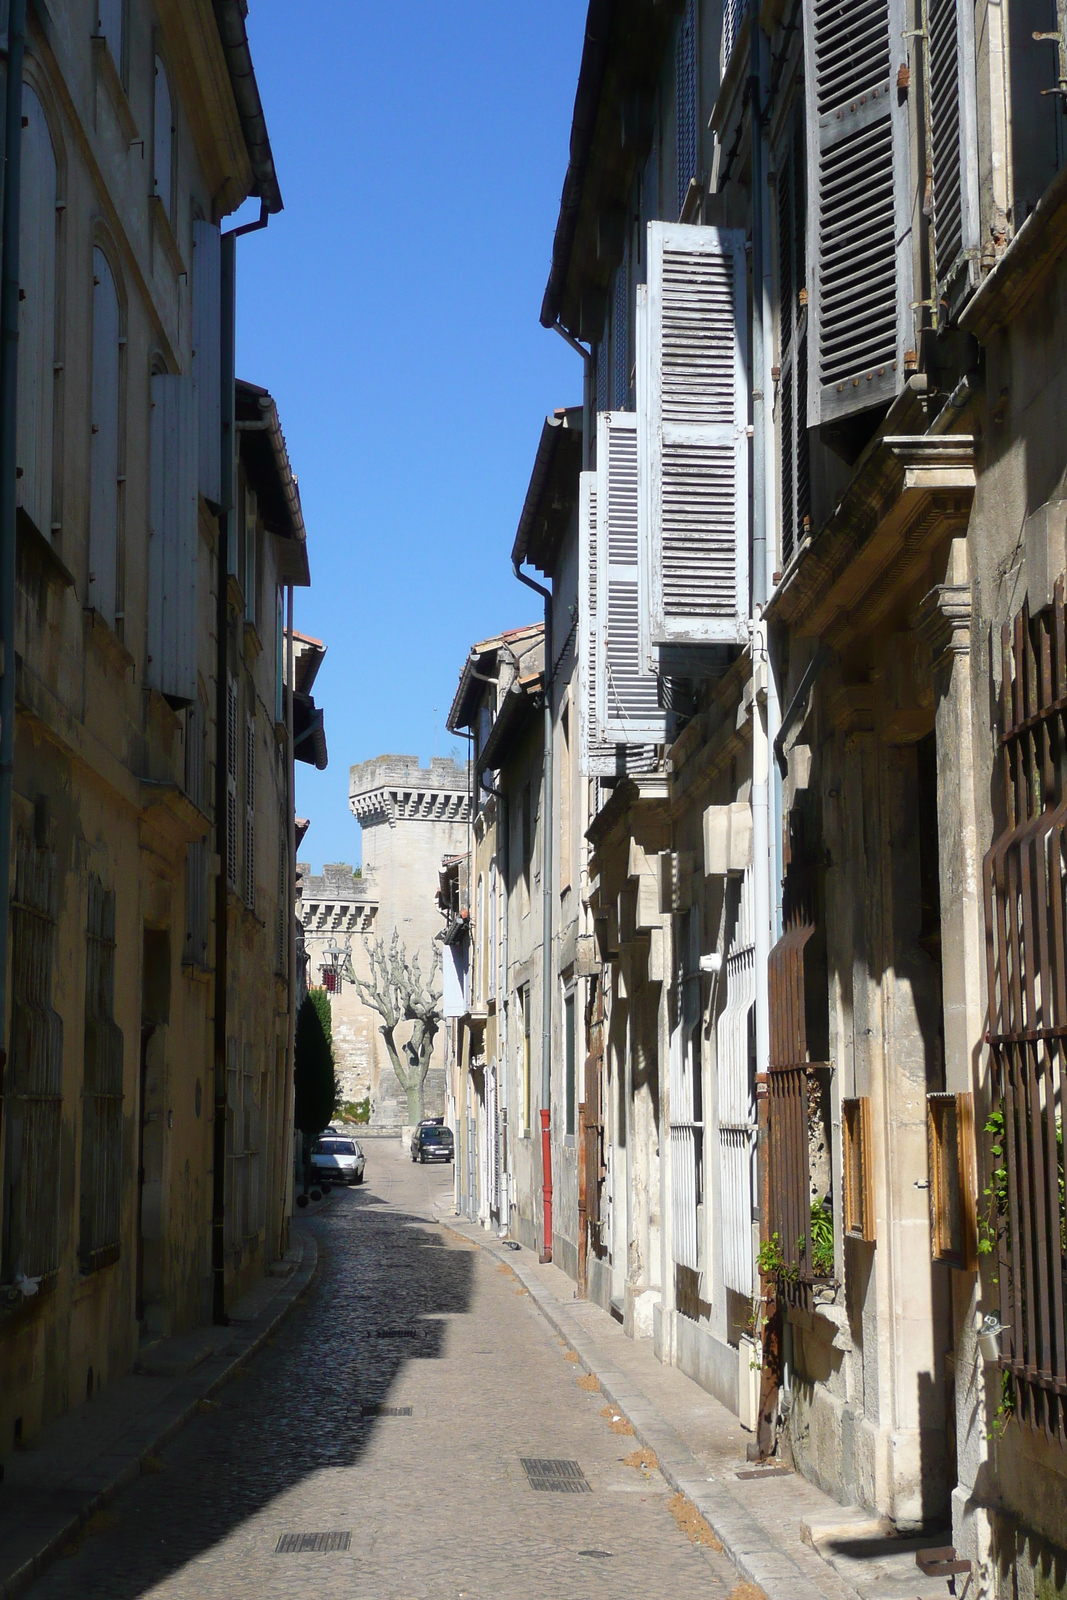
(196, 855)
(101, 1162)
(789, 1167)
(733, 14)
(1025, 884)
(602, 399)
(620, 340)
(687, 93)
(231, 784)
(33, 1101)
(250, 814)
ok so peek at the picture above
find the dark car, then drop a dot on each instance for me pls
(435, 1143)
(427, 1122)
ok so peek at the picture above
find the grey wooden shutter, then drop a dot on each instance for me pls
(954, 128)
(697, 421)
(207, 355)
(37, 316)
(628, 709)
(794, 457)
(174, 543)
(104, 444)
(859, 210)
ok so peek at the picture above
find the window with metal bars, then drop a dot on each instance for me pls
(620, 340)
(793, 452)
(733, 14)
(602, 398)
(250, 814)
(101, 1144)
(1025, 885)
(33, 1086)
(686, 1098)
(231, 784)
(196, 854)
(687, 101)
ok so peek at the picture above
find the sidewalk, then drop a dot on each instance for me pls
(782, 1533)
(52, 1489)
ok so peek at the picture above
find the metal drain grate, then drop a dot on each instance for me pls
(395, 1333)
(564, 1477)
(295, 1544)
(387, 1411)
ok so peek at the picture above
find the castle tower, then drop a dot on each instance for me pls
(411, 816)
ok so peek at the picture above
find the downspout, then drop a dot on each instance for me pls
(290, 820)
(546, 921)
(226, 538)
(587, 392)
(9, 362)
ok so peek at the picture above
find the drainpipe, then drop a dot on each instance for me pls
(290, 820)
(9, 361)
(546, 921)
(226, 539)
(587, 393)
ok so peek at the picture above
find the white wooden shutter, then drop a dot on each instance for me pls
(628, 710)
(734, 1089)
(173, 543)
(232, 738)
(207, 355)
(597, 757)
(37, 316)
(104, 445)
(954, 126)
(697, 421)
(859, 210)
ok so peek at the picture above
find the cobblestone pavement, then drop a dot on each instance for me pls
(401, 1314)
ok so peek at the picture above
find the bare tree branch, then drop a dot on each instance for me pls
(398, 992)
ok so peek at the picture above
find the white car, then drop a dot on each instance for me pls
(337, 1158)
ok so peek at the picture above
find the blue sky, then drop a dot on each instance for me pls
(392, 310)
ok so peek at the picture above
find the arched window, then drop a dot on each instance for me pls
(104, 448)
(37, 315)
(162, 141)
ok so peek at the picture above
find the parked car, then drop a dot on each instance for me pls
(427, 1122)
(435, 1143)
(337, 1158)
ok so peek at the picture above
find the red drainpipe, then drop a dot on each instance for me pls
(546, 1169)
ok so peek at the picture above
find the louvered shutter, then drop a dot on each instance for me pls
(104, 444)
(250, 813)
(794, 457)
(859, 211)
(173, 544)
(697, 421)
(37, 316)
(231, 783)
(628, 710)
(207, 355)
(596, 757)
(954, 127)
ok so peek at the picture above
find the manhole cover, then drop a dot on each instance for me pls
(387, 1411)
(295, 1544)
(564, 1477)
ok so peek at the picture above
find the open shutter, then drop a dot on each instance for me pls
(954, 127)
(859, 186)
(794, 458)
(597, 759)
(628, 709)
(697, 419)
(104, 443)
(173, 546)
(207, 355)
(37, 316)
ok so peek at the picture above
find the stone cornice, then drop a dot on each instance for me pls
(944, 620)
(909, 492)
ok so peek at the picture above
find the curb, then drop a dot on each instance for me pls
(747, 1544)
(236, 1354)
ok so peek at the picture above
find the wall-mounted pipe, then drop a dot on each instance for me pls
(546, 919)
(9, 362)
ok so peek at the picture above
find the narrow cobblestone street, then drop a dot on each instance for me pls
(400, 1314)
